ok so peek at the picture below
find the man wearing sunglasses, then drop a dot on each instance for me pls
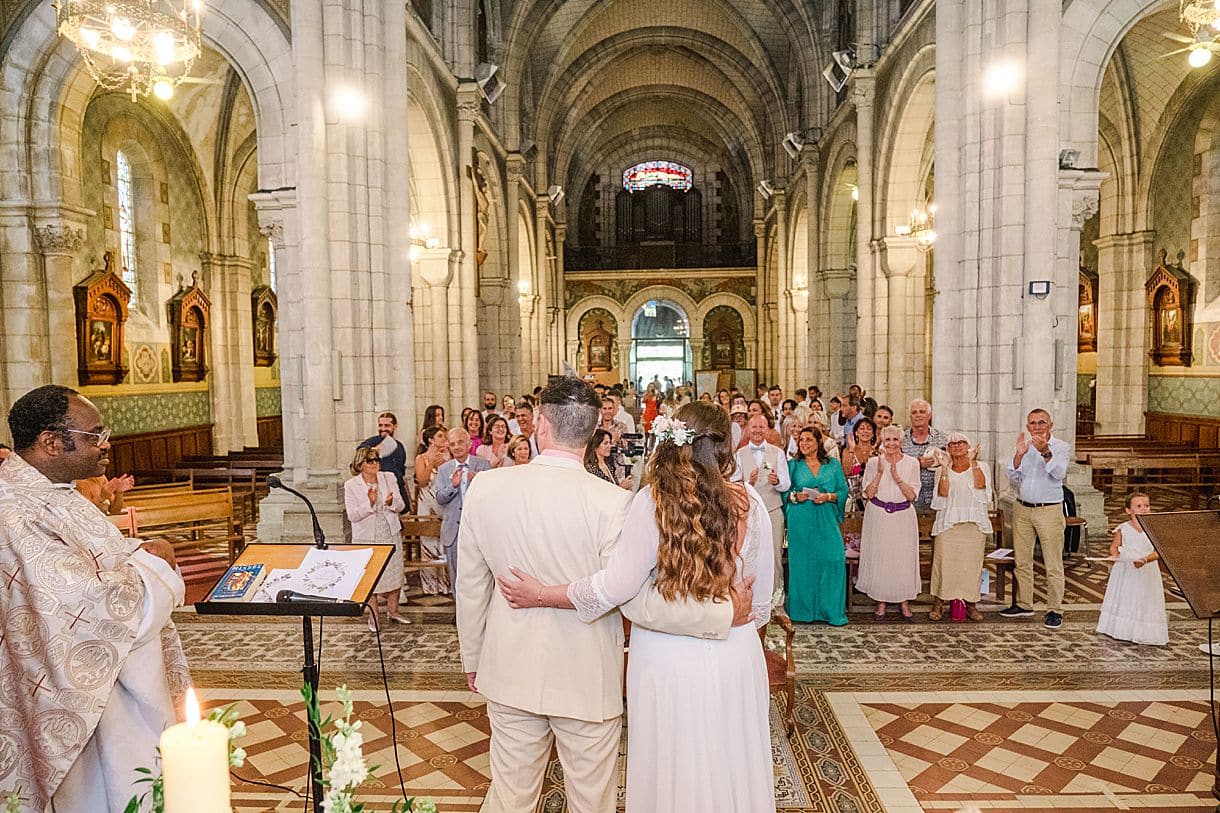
(86, 616)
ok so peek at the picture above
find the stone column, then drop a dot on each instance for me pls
(514, 170)
(1124, 262)
(559, 305)
(23, 311)
(277, 218)
(836, 285)
(898, 260)
(542, 290)
(231, 376)
(862, 82)
(762, 339)
(60, 244)
(783, 282)
(469, 107)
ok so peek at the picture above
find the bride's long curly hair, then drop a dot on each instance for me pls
(697, 510)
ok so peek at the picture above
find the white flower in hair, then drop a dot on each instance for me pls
(672, 430)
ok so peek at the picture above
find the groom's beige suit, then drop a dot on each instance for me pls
(545, 674)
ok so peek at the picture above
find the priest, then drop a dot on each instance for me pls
(91, 668)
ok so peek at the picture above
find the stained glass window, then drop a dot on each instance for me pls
(657, 173)
(127, 227)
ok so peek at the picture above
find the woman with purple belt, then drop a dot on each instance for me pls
(889, 540)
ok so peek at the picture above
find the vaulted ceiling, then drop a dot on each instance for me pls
(723, 79)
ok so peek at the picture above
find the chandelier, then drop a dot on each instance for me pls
(921, 226)
(137, 46)
(1196, 14)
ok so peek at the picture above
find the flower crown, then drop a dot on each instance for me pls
(672, 430)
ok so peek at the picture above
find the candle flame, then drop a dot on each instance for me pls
(192, 706)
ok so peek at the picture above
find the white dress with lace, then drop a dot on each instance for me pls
(698, 730)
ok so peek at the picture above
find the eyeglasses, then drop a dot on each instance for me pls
(102, 436)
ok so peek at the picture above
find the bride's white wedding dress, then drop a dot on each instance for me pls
(698, 728)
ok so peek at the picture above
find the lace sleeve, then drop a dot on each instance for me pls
(758, 558)
(589, 598)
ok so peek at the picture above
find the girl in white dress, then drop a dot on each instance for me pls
(698, 731)
(1134, 606)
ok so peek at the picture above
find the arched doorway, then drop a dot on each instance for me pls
(660, 344)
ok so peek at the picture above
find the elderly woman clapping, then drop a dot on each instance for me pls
(961, 500)
(889, 539)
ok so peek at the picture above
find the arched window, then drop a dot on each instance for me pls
(127, 223)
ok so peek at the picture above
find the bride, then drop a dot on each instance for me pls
(698, 736)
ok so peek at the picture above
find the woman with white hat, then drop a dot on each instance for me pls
(961, 499)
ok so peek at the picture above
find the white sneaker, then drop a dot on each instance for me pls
(1213, 650)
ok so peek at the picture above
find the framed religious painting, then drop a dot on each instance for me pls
(101, 301)
(265, 307)
(1171, 300)
(1086, 312)
(189, 315)
(600, 357)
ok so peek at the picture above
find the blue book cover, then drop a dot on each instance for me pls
(239, 583)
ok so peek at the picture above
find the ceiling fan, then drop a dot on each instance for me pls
(1199, 49)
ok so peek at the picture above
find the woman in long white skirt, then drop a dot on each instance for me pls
(698, 726)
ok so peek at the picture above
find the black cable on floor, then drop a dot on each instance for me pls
(241, 778)
(385, 682)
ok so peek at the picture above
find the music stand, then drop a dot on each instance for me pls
(1186, 543)
(290, 556)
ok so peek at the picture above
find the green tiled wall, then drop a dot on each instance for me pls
(1186, 396)
(132, 414)
(267, 402)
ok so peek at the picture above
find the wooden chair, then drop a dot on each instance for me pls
(781, 669)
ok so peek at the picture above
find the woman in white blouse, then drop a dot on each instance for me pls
(495, 442)
(373, 504)
(961, 500)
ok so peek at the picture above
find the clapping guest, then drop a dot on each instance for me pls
(453, 478)
(507, 405)
(525, 424)
(518, 451)
(764, 466)
(962, 499)
(861, 447)
(600, 459)
(817, 564)
(106, 493)
(494, 448)
(435, 452)
(474, 428)
(760, 407)
(920, 439)
(889, 540)
(373, 504)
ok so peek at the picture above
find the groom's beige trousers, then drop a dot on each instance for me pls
(521, 746)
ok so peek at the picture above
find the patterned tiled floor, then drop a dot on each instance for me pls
(1005, 715)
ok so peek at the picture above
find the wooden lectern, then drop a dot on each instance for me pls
(1186, 543)
(291, 556)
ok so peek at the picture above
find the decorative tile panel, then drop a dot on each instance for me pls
(267, 402)
(132, 414)
(1185, 396)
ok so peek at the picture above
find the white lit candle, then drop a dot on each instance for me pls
(195, 764)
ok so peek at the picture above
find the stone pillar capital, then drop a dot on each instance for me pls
(836, 282)
(435, 266)
(469, 102)
(542, 206)
(1084, 186)
(514, 167)
(897, 255)
(274, 211)
(58, 239)
(760, 229)
(861, 88)
(561, 234)
(798, 298)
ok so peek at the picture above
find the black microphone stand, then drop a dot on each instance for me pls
(310, 671)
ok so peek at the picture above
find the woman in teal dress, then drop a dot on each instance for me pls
(817, 567)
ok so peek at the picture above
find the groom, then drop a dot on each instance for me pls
(547, 676)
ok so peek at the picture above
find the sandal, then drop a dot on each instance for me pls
(973, 613)
(878, 617)
(909, 618)
(938, 610)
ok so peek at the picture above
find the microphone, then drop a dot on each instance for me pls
(293, 597)
(319, 538)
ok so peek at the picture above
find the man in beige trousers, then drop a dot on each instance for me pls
(547, 676)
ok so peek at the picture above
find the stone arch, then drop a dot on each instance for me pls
(432, 177)
(588, 303)
(743, 308)
(908, 133)
(43, 81)
(669, 293)
(1091, 31)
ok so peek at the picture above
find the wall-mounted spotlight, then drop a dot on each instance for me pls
(765, 189)
(491, 85)
(555, 194)
(794, 141)
(1068, 158)
(840, 69)
(1040, 288)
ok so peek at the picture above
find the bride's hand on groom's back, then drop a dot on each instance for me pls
(743, 601)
